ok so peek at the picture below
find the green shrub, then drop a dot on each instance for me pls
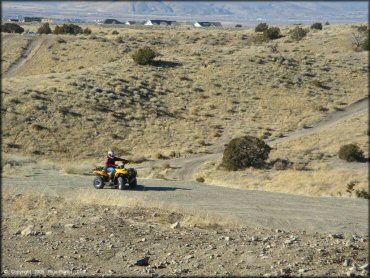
(351, 152)
(359, 193)
(261, 27)
(243, 152)
(298, 33)
(87, 31)
(361, 28)
(365, 44)
(327, 23)
(272, 33)
(316, 26)
(362, 194)
(115, 32)
(68, 29)
(350, 186)
(360, 40)
(200, 179)
(144, 56)
(44, 29)
(11, 28)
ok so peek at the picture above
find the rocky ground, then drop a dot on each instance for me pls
(51, 236)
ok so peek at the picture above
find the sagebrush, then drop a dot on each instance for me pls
(243, 152)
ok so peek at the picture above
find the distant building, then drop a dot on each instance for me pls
(112, 21)
(131, 22)
(32, 19)
(207, 24)
(47, 20)
(72, 20)
(160, 22)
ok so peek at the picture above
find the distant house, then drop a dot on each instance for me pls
(32, 19)
(112, 21)
(160, 22)
(131, 22)
(207, 24)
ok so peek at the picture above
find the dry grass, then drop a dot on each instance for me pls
(28, 201)
(12, 164)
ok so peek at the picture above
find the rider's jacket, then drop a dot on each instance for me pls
(111, 162)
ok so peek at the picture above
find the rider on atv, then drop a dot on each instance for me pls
(110, 164)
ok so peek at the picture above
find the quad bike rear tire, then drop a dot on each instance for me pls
(98, 182)
(121, 183)
(133, 184)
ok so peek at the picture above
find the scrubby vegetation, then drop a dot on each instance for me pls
(44, 29)
(272, 33)
(11, 28)
(351, 153)
(360, 193)
(243, 152)
(71, 29)
(360, 38)
(261, 27)
(316, 26)
(144, 56)
(87, 31)
(298, 33)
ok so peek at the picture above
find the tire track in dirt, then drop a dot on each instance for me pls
(27, 54)
(186, 168)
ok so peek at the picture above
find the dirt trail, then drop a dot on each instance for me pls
(252, 208)
(185, 168)
(27, 54)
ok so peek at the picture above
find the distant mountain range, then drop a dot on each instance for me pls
(229, 11)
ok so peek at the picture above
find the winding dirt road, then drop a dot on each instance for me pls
(185, 168)
(251, 208)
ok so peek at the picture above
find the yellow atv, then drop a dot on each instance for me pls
(122, 176)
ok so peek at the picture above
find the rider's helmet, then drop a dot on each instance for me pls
(111, 154)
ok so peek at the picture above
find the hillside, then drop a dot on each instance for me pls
(71, 98)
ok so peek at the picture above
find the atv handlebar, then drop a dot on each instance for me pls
(115, 166)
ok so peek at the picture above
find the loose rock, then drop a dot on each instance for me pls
(28, 231)
(143, 262)
(175, 225)
(31, 260)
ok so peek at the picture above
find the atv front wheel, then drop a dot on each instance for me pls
(98, 182)
(121, 183)
(133, 183)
